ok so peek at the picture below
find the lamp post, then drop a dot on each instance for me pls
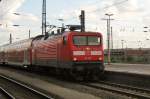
(108, 36)
(124, 49)
(148, 39)
(140, 44)
(145, 29)
(122, 44)
(16, 13)
(10, 39)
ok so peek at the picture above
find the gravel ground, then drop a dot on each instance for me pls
(71, 86)
(2, 96)
(46, 86)
(17, 90)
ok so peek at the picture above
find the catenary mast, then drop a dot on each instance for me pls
(44, 18)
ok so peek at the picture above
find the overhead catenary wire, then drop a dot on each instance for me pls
(76, 17)
(114, 4)
(4, 6)
(99, 9)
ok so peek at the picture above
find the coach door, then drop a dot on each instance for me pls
(25, 56)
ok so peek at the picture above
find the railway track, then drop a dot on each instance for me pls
(34, 94)
(5, 94)
(129, 91)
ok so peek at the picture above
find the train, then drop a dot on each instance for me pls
(77, 53)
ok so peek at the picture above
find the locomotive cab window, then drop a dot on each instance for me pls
(86, 40)
(94, 40)
(79, 40)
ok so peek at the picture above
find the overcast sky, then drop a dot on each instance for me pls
(130, 18)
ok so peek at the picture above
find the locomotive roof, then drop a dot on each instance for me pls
(82, 33)
(42, 36)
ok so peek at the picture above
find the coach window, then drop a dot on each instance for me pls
(64, 40)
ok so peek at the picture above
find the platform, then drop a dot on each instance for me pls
(129, 68)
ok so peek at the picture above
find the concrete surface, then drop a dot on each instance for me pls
(130, 68)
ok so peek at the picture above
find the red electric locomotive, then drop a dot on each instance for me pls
(77, 53)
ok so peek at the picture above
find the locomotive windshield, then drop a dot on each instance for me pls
(86, 40)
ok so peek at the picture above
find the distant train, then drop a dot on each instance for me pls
(77, 53)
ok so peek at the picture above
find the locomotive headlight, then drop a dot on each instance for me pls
(75, 59)
(100, 58)
(78, 52)
(96, 52)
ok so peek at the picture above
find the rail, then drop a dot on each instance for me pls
(121, 89)
(45, 96)
(7, 94)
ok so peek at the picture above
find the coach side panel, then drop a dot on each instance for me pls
(44, 52)
(18, 54)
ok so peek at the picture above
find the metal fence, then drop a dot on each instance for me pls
(129, 56)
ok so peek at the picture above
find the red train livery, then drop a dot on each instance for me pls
(76, 52)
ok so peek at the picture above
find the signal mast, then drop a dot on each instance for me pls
(44, 32)
(82, 20)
